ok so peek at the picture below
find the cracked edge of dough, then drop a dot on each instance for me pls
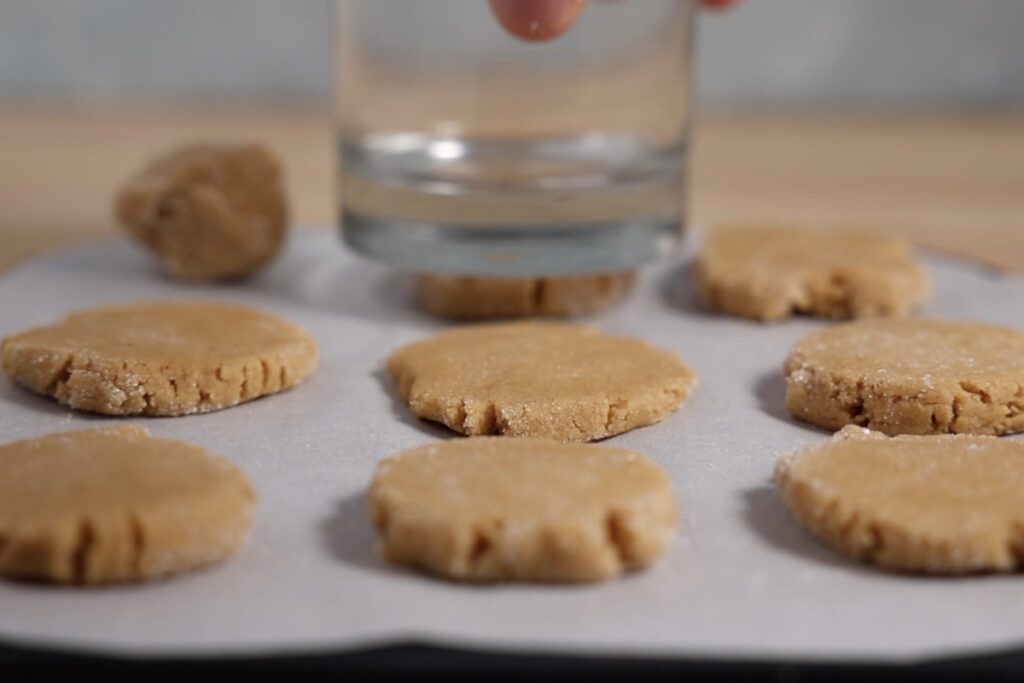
(84, 382)
(132, 545)
(482, 417)
(823, 398)
(830, 293)
(470, 551)
(855, 533)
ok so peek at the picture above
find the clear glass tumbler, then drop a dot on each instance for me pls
(467, 150)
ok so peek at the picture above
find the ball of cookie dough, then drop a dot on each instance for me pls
(767, 273)
(940, 504)
(208, 212)
(565, 382)
(468, 297)
(116, 504)
(492, 509)
(909, 376)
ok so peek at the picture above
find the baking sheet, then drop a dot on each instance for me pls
(742, 580)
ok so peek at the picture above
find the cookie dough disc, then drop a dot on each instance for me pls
(940, 504)
(116, 504)
(160, 358)
(566, 382)
(208, 211)
(769, 273)
(492, 509)
(461, 297)
(909, 377)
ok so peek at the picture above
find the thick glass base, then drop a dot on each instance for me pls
(592, 202)
(510, 250)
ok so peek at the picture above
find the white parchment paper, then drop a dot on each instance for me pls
(743, 580)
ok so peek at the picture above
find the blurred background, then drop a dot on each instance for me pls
(896, 114)
(902, 53)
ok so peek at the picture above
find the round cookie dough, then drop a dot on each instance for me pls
(115, 504)
(769, 273)
(566, 382)
(208, 211)
(160, 358)
(464, 297)
(493, 509)
(944, 504)
(909, 376)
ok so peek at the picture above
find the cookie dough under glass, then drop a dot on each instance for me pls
(464, 297)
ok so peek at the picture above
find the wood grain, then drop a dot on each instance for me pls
(954, 182)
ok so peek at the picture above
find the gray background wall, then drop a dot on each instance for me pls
(776, 52)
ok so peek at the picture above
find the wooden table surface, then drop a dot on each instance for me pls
(951, 181)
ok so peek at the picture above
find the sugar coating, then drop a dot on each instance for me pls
(208, 211)
(566, 382)
(463, 297)
(767, 273)
(494, 509)
(911, 376)
(114, 504)
(939, 504)
(160, 358)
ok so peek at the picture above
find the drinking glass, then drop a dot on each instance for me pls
(464, 149)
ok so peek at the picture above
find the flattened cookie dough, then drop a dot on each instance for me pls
(492, 509)
(566, 382)
(770, 273)
(460, 297)
(161, 358)
(115, 504)
(909, 376)
(944, 504)
(208, 211)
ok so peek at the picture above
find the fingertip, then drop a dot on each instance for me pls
(537, 20)
(717, 4)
